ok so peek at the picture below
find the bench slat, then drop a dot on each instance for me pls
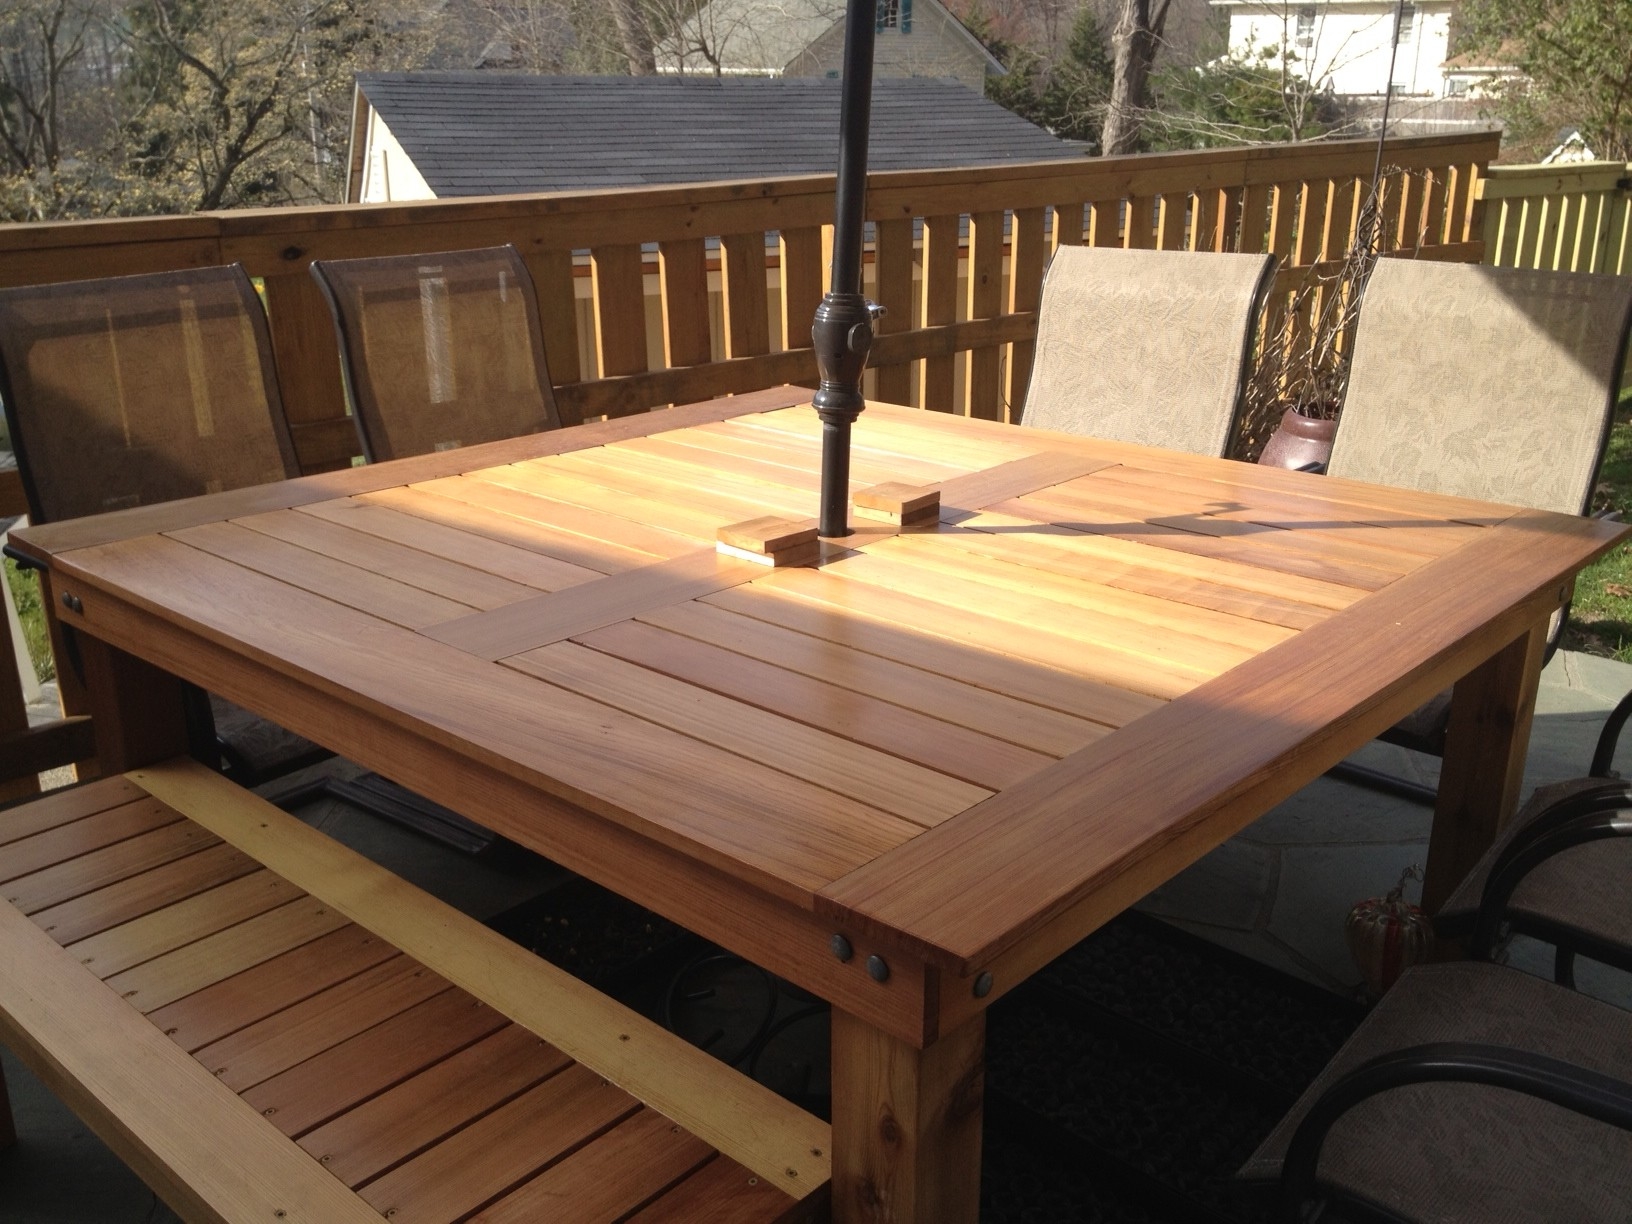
(785, 1147)
(158, 1109)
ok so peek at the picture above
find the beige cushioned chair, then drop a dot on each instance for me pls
(441, 350)
(1145, 346)
(1490, 383)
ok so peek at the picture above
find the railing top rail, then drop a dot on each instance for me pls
(803, 199)
(1502, 182)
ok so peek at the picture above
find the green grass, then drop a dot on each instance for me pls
(1601, 617)
(25, 593)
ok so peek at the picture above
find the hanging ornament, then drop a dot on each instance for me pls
(1388, 934)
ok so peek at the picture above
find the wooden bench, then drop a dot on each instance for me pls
(267, 1027)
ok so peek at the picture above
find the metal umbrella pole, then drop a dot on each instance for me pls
(843, 331)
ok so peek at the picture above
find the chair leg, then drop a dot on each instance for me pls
(8, 1124)
(1603, 757)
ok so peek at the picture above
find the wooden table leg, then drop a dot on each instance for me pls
(906, 1125)
(1479, 784)
(139, 710)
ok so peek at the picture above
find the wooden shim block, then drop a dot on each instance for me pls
(899, 503)
(554, 617)
(738, 1117)
(770, 541)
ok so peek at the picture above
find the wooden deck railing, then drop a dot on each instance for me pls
(1568, 218)
(695, 291)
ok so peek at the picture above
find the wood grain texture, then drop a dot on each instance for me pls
(737, 1116)
(157, 1109)
(553, 618)
(1290, 713)
(910, 1123)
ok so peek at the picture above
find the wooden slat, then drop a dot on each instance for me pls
(552, 618)
(395, 601)
(892, 272)
(179, 973)
(183, 920)
(1105, 223)
(983, 390)
(362, 1066)
(57, 845)
(1068, 224)
(269, 983)
(106, 907)
(611, 1176)
(801, 283)
(558, 315)
(160, 1111)
(730, 1112)
(946, 749)
(279, 1042)
(406, 1118)
(725, 1193)
(683, 278)
(90, 872)
(376, 554)
(940, 286)
(1016, 478)
(1028, 254)
(1138, 219)
(914, 688)
(1171, 212)
(743, 293)
(618, 284)
(470, 1168)
(62, 806)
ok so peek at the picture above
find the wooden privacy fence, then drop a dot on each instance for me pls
(958, 260)
(1568, 218)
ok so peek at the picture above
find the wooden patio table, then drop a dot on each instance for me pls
(904, 777)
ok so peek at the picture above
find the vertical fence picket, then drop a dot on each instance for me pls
(557, 312)
(1105, 224)
(743, 294)
(618, 298)
(801, 283)
(1141, 212)
(940, 257)
(682, 266)
(1027, 254)
(1171, 212)
(983, 393)
(1254, 218)
(892, 278)
(1068, 230)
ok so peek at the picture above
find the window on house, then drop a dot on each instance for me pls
(1456, 87)
(1408, 19)
(1306, 27)
(895, 15)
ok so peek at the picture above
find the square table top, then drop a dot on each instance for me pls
(1099, 662)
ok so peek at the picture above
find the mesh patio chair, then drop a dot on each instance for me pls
(1490, 383)
(440, 351)
(1146, 346)
(1470, 1093)
(140, 389)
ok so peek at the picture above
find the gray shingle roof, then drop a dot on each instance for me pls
(484, 133)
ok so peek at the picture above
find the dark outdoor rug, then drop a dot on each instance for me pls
(1125, 1082)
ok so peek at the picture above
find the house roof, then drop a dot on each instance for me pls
(489, 133)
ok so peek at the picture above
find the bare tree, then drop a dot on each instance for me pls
(636, 37)
(1137, 37)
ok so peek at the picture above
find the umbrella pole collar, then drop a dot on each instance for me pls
(842, 335)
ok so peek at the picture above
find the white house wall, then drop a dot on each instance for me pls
(389, 173)
(1348, 43)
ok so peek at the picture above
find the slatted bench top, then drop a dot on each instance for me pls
(259, 1055)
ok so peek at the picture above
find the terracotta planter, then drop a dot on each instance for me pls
(1299, 440)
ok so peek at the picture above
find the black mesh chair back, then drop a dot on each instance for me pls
(441, 350)
(139, 389)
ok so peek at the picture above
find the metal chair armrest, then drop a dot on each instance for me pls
(1589, 1093)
